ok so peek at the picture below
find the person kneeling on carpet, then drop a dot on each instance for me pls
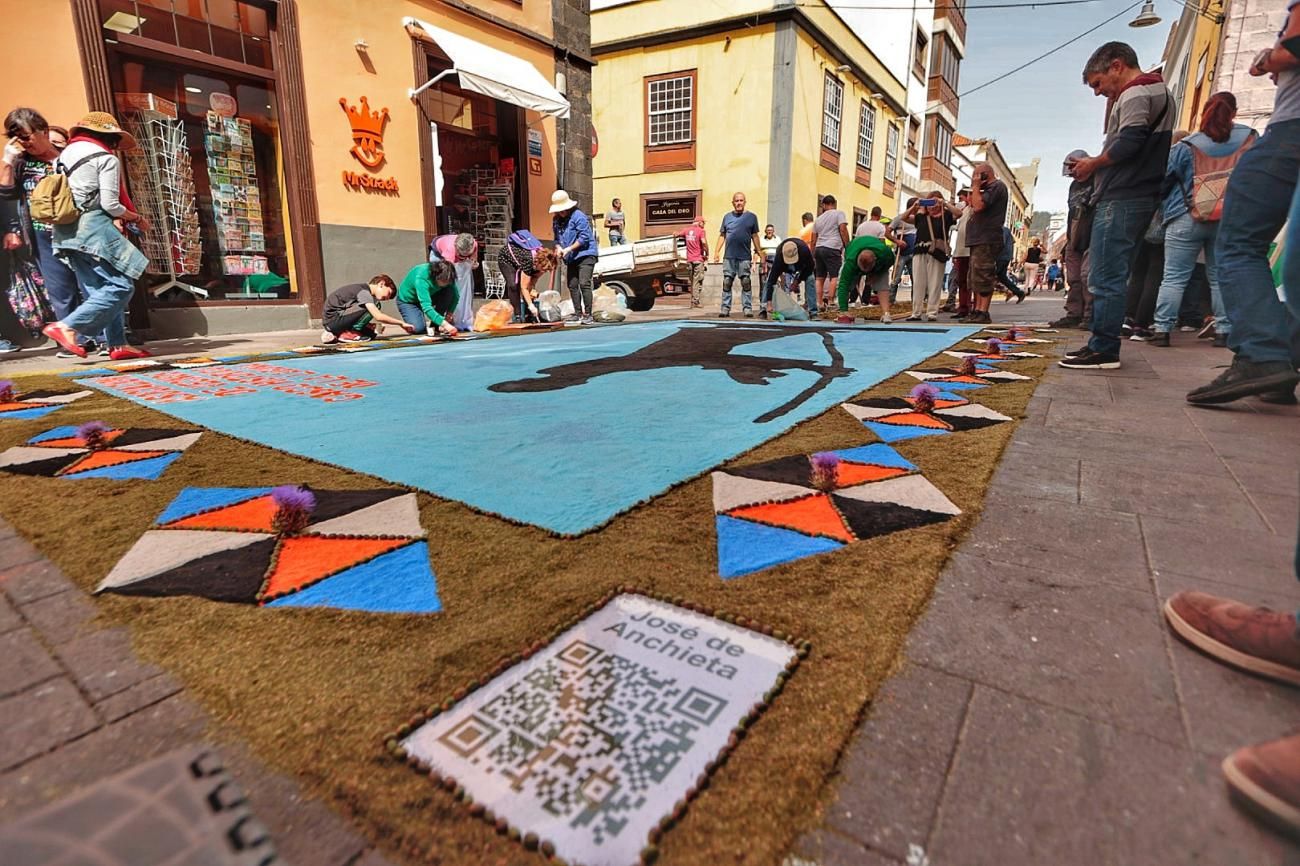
(352, 313)
(869, 257)
(427, 297)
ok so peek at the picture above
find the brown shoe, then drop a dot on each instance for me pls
(1255, 639)
(1266, 778)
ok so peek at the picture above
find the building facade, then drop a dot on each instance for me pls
(969, 153)
(287, 149)
(780, 101)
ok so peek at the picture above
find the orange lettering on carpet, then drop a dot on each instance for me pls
(302, 560)
(812, 515)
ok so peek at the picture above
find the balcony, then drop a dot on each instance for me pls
(935, 174)
(956, 18)
(941, 91)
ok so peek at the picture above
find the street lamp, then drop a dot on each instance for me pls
(1147, 17)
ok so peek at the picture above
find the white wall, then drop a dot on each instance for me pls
(1251, 26)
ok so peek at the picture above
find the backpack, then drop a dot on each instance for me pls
(524, 238)
(1210, 181)
(51, 199)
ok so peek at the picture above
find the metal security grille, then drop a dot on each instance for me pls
(866, 135)
(671, 101)
(832, 111)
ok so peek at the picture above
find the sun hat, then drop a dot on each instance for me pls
(560, 201)
(105, 124)
(790, 252)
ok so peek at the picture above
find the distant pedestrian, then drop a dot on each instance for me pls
(1033, 264)
(1198, 171)
(615, 221)
(575, 240)
(988, 201)
(832, 235)
(1078, 235)
(697, 256)
(768, 243)
(1128, 176)
(739, 248)
(1054, 275)
(1004, 265)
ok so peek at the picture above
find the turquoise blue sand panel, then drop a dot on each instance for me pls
(625, 413)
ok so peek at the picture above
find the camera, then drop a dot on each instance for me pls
(927, 202)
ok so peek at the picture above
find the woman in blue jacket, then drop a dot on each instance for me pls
(1216, 146)
(575, 240)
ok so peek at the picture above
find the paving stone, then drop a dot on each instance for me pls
(16, 551)
(23, 661)
(9, 618)
(40, 719)
(103, 664)
(1226, 708)
(893, 771)
(1153, 454)
(33, 580)
(171, 724)
(1265, 477)
(1274, 449)
(1034, 784)
(827, 848)
(1064, 640)
(1120, 420)
(61, 617)
(1282, 512)
(1248, 559)
(1067, 538)
(1233, 419)
(1218, 501)
(1036, 474)
(137, 697)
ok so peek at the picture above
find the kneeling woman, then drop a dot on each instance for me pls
(427, 297)
(521, 266)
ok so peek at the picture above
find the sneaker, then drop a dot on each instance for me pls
(1126, 329)
(886, 319)
(1065, 322)
(353, 337)
(1157, 338)
(588, 320)
(762, 314)
(725, 314)
(1220, 341)
(327, 336)
(128, 353)
(1074, 353)
(749, 314)
(1206, 331)
(961, 314)
(1090, 361)
(1020, 298)
(104, 352)
(915, 317)
(62, 353)
(979, 318)
(932, 318)
(7, 347)
(1283, 397)
(1254, 639)
(1245, 378)
(1141, 335)
(1186, 329)
(1266, 779)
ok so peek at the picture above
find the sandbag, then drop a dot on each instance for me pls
(609, 315)
(603, 298)
(493, 316)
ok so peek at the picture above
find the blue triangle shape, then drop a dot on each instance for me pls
(745, 547)
(34, 412)
(961, 386)
(192, 500)
(399, 581)
(876, 454)
(89, 372)
(56, 433)
(148, 469)
(900, 432)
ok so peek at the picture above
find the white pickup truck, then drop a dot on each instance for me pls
(645, 269)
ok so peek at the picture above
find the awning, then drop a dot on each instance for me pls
(493, 73)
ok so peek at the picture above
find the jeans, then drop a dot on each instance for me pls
(1078, 300)
(1117, 229)
(108, 291)
(810, 294)
(60, 282)
(1185, 238)
(1005, 278)
(413, 316)
(1260, 191)
(732, 268)
(616, 238)
(579, 275)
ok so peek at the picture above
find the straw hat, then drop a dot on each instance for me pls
(560, 201)
(104, 123)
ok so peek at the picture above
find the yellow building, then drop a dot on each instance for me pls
(693, 102)
(1191, 58)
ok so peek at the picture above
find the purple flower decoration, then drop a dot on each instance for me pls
(294, 506)
(1013, 334)
(92, 433)
(6, 391)
(994, 346)
(825, 469)
(968, 366)
(923, 397)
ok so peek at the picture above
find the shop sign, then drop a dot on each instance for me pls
(365, 181)
(367, 146)
(534, 165)
(535, 142)
(671, 209)
(223, 104)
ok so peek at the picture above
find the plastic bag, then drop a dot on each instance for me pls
(609, 315)
(493, 316)
(463, 316)
(603, 299)
(566, 308)
(785, 307)
(548, 306)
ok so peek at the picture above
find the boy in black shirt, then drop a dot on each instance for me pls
(351, 311)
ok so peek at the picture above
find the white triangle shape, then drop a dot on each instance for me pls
(1005, 375)
(160, 550)
(21, 454)
(868, 413)
(58, 398)
(397, 516)
(962, 355)
(910, 491)
(733, 491)
(175, 443)
(973, 410)
(923, 375)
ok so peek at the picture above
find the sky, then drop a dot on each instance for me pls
(1045, 110)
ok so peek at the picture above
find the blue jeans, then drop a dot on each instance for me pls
(1260, 192)
(732, 268)
(616, 238)
(413, 316)
(1185, 238)
(108, 291)
(810, 294)
(60, 283)
(1117, 229)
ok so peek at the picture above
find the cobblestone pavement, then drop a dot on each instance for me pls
(1044, 713)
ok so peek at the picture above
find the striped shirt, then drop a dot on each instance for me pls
(1138, 134)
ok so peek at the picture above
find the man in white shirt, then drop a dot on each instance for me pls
(871, 227)
(831, 236)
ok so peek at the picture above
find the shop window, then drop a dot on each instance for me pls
(236, 30)
(670, 121)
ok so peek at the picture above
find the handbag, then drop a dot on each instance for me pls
(937, 247)
(26, 293)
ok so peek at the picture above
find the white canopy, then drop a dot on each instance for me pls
(494, 73)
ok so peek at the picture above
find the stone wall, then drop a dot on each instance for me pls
(1251, 26)
(572, 20)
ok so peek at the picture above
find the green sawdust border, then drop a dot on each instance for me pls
(530, 840)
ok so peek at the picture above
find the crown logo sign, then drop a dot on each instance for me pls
(367, 132)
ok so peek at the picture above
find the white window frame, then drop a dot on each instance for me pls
(866, 135)
(832, 112)
(678, 117)
(892, 136)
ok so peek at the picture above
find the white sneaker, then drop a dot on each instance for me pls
(932, 318)
(885, 319)
(327, 337)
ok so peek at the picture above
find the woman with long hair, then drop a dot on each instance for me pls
(93, 246)
(1197, 176)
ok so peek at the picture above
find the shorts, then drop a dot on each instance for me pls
(982, 276)
(827, 261)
